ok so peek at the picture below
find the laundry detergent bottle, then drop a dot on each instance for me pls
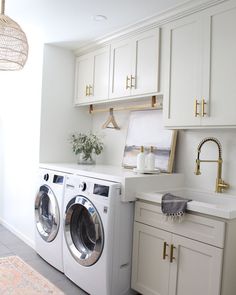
(150, 160)
(141, 159)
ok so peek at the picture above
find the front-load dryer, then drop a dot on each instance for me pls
(97, 236)
(48, 217)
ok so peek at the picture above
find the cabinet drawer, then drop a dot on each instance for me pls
(195, 227)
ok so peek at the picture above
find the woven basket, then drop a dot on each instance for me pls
(13, 45)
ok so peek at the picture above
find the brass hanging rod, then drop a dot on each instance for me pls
(152, 106)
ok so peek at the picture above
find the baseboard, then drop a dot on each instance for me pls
(16, 232)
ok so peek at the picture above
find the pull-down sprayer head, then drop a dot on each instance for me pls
(220, 184)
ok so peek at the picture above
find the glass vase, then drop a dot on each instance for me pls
(84, 159)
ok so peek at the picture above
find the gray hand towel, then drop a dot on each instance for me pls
(173, 206)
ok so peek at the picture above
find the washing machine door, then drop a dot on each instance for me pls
(47, 216)
(84, 233)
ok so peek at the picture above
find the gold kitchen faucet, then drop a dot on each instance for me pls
(220, 184)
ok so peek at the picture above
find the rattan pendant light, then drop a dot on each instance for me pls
(13, 43)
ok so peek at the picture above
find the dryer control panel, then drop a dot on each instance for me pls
(101, 190)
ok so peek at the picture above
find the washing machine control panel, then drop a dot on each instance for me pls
(83, 186)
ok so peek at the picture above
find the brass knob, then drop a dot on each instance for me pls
(203, 103)
(164, 250)
(87, 91)
(90, 90)
(172, 247)
(196, 104)
(133, 79)
(127, 86)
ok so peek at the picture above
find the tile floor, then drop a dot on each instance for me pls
(12, 245)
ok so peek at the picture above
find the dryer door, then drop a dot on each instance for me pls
(47, 216)
(84, 233)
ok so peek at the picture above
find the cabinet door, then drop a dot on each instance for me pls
(150, 272)
(145, 63)
(100, 78)
(183, 71)
(196, 268)
(120, 69)
(220, 87)
(83, 77)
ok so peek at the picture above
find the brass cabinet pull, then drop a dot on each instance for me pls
(196, 104)
(164, 250)
(172, 247)
(203, 103)
(127, 86)
(133, 79)
(90, 88)
(87, 91)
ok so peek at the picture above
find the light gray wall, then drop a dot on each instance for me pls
(59, 118)
(23, 142)
(186, 151)
(19, 140)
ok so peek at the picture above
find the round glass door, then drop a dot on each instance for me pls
(83, 231)
(47, 216)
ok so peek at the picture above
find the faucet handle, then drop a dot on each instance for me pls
(221, 185)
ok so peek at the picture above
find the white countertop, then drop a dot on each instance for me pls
(131, 182)
(210, 203)
(108, 172)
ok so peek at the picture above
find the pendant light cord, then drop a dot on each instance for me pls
(3, 7)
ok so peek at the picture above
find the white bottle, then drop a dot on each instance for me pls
(150, 160)
(141, 160)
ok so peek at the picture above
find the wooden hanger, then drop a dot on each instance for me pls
(111, 120)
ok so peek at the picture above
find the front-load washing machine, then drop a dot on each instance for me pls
(48, 217)
(97, 236)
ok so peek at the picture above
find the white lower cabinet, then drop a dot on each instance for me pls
(150, 272)
(196, 268)
(165, 263)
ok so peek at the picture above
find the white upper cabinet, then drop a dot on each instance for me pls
(183, 71)
(120, 69)
(200, 69)
(135, 65)
(220, 87)
(83, 77)
(92, 76)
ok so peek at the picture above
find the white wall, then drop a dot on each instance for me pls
(23, 140)
(114, 140)
(19, 140)
(59, 118)
(186, 151)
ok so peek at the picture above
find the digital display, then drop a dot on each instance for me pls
(58, 179)
(101, 190)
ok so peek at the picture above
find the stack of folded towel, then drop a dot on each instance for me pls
(173, 206)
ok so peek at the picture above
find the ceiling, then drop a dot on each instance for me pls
(70, 22)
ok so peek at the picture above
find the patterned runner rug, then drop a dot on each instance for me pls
(18, 278)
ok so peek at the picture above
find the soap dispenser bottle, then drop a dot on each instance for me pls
(141, 160)
(150, 160)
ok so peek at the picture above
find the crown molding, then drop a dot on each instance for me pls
(174, 13)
